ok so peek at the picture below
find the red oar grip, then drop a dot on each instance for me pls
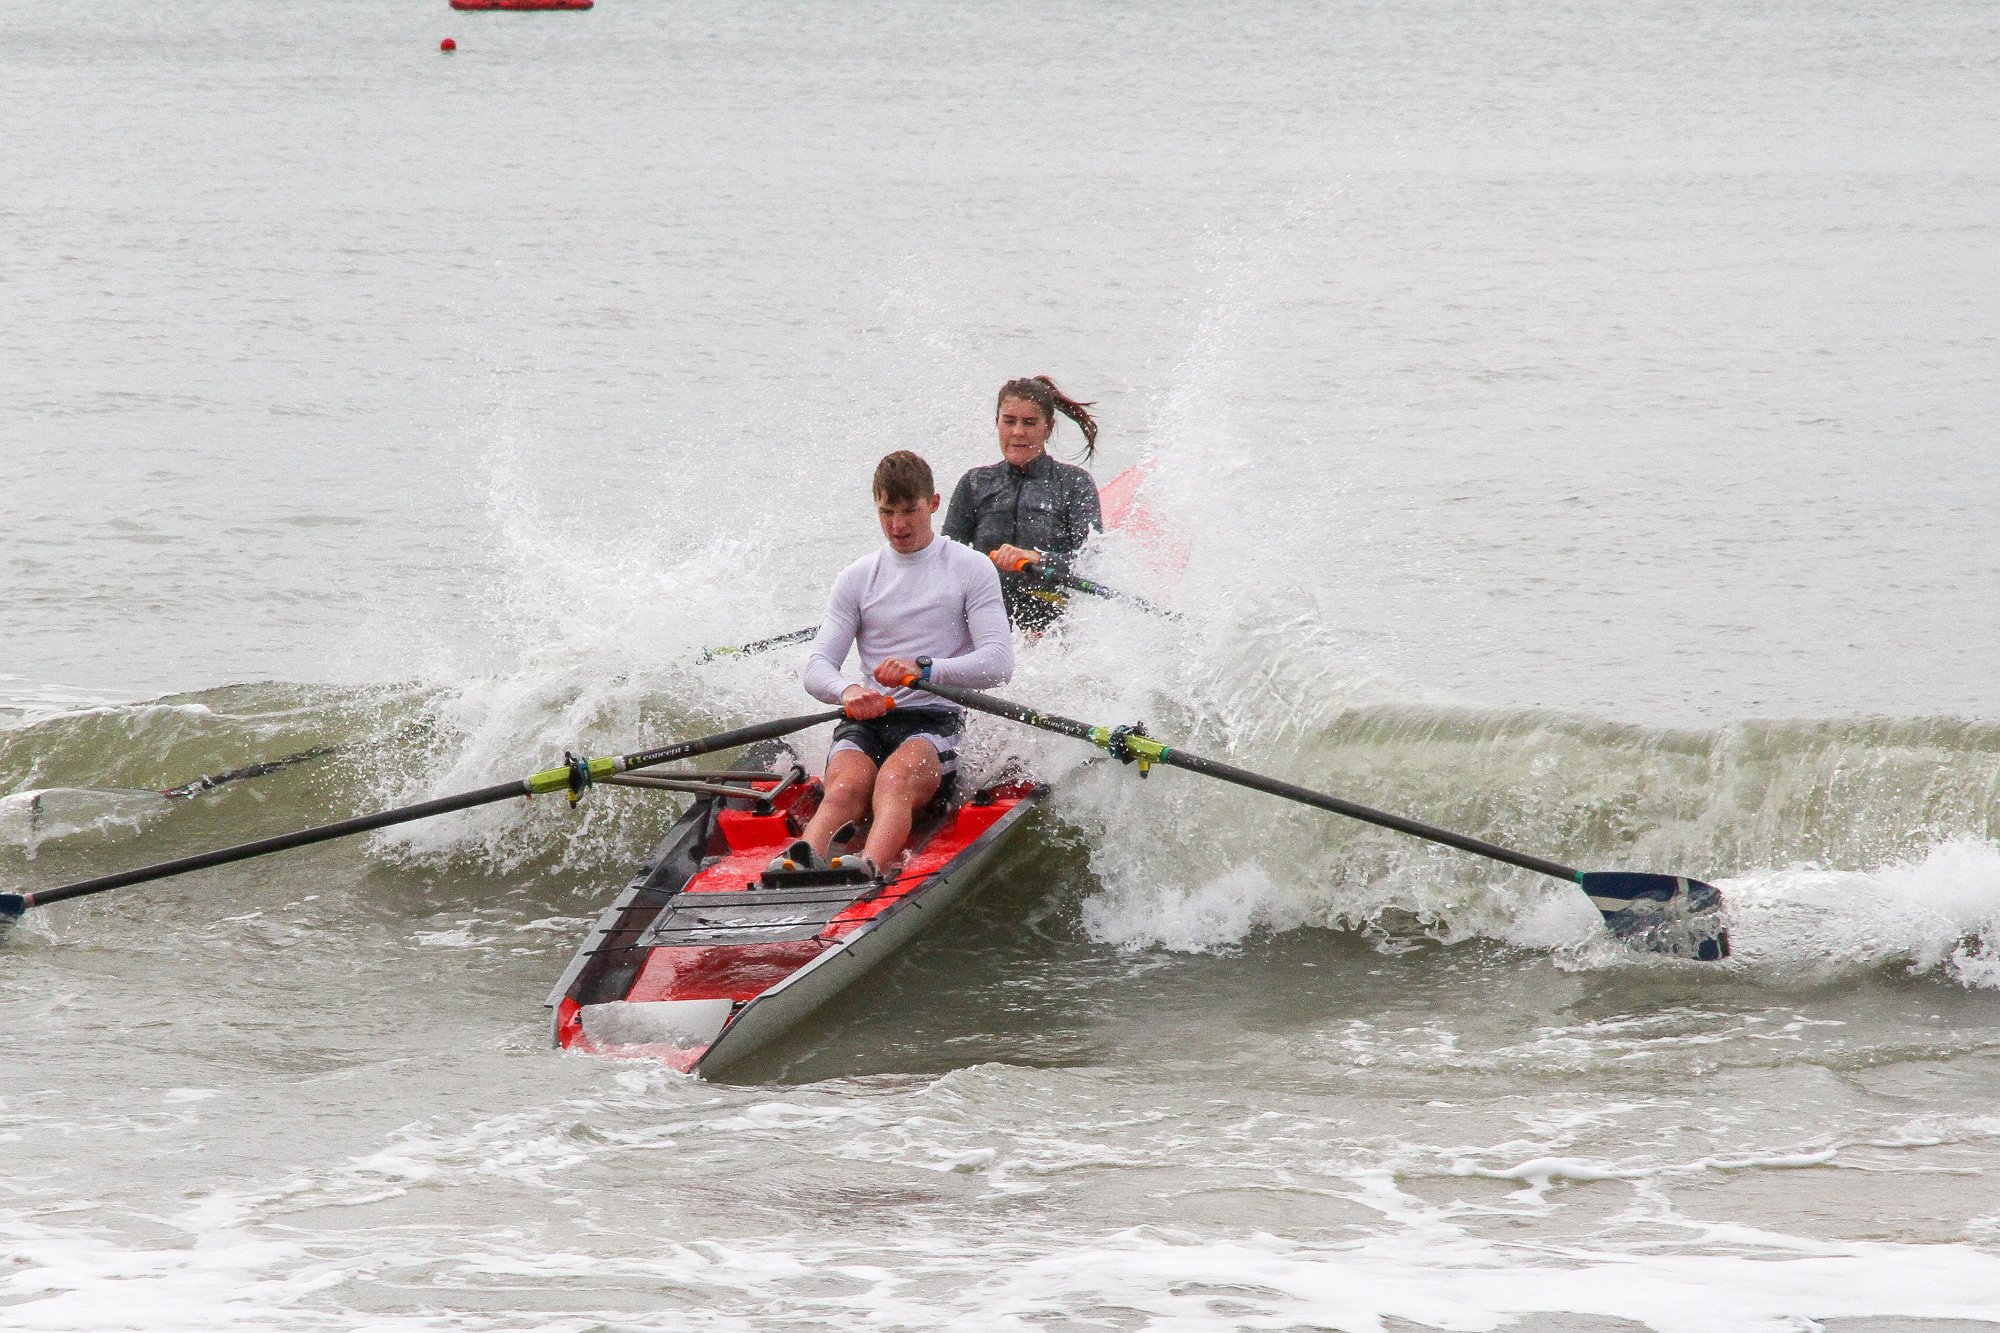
(888, 699)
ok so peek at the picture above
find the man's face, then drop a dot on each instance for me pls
(906, 523)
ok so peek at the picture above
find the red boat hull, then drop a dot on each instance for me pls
(702, 961)
(522, 4)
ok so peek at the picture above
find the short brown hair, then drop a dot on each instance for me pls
(902, 477)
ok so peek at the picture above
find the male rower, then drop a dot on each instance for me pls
(921, 606)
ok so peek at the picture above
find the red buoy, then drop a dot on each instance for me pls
(447, 45)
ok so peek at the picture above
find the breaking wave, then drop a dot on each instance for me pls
(1838, 844)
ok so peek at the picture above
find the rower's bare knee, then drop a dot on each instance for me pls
(850, 780)
(854, 791)
(910, 777)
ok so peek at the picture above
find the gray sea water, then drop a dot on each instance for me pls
(1567, 423)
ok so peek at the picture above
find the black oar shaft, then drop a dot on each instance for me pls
(546, 781)
(1306, 796)
(256, 770)
(727, 740)
(264, 846)
(1667, 913)
(987, 703)
(756, 646)
(1043, 574)
(1194, 763)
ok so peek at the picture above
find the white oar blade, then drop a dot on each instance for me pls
(1665, 913)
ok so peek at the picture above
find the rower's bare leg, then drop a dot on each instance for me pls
(908, 779)
(849, 781)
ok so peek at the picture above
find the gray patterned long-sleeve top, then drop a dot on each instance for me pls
(1046, 506)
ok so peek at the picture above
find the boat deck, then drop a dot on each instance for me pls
(703, 936)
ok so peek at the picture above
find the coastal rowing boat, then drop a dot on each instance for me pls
(706, 958)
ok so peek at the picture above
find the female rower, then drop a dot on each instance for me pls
(1028, 508)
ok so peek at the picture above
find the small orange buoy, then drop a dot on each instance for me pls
(447, 45)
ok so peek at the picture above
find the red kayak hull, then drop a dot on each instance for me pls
(703, 961)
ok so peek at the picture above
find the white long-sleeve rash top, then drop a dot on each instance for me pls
(942, 602)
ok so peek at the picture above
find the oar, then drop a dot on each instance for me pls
(256, 770)
(760, 645)
(1668, 913)
(194, 787)
(209, 782)
(39, 799)
(572, 777)
(1029, 569)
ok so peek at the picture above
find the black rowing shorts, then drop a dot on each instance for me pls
(880, 737)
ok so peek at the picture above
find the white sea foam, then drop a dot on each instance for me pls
(1156, 1278)
(30, 819)
(310, 1251)
(72, 1282)
(459, 937)
(1938, 914)
(26, 703)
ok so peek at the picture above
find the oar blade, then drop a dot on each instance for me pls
(12, 907)
(1669, 914)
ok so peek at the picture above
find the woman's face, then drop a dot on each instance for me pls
(1024, 429)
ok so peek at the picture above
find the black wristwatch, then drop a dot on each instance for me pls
(923, 669)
